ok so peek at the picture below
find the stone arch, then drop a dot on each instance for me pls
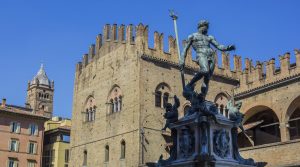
(162, 94)
(292, 119)
(261, 124)
(115, 86)
(115, 99)
(293, 105)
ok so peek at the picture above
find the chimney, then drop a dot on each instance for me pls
(3, 104)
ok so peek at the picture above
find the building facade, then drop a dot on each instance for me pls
(121, 83)
(22, 128)
(57, 142)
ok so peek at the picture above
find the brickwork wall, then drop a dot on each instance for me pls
(276, 154)
(118, 67)
(23, 137)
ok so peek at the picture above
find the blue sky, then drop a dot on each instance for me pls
(58, 32)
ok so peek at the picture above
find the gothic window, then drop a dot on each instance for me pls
(120, 104)
(162, 94)
(116, 104)
(106, 153)
(90, 110)
(221, 101)
(112, 105)
(165, 98)
(84, 158)
(158, 99)
(123, 149)
(115, 100)
(221, 109)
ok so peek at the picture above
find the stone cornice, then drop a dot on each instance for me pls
(24, 115)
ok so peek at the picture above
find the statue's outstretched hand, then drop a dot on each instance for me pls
(231, 47)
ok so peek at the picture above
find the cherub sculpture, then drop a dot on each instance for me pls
(235, 114)
(171, 114)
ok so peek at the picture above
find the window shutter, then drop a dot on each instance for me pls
(17, 146)
(36, 131)
(16, 163)
(9, 145)
(28, 145)
(29, 129)
(11, 127)
(34, 148)
(18, 127)
(7, 163)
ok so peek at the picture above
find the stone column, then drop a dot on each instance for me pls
(284, 131)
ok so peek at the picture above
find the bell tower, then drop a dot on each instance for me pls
(40, 94)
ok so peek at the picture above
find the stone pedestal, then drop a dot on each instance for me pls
(205, 141)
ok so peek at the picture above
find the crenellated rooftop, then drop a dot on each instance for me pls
(251, 77)
(265, 74)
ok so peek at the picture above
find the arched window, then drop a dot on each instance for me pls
(221, 109)
(46, 96)
(293, 119)
(106, 158)
(165, 99)
(158, 99)
(226, 112)
(162, 93)
(84, 158)
(90, 109)
(294, 125)
(112, 105)
(221, 101)
(123, 149)
(120, 103)
(116, 104)
(115, 100)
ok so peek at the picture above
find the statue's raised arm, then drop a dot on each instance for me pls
(214, 42)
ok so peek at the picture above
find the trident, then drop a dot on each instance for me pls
(175, 17)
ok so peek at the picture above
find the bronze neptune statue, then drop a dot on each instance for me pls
(203, 137)
(201, 42)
